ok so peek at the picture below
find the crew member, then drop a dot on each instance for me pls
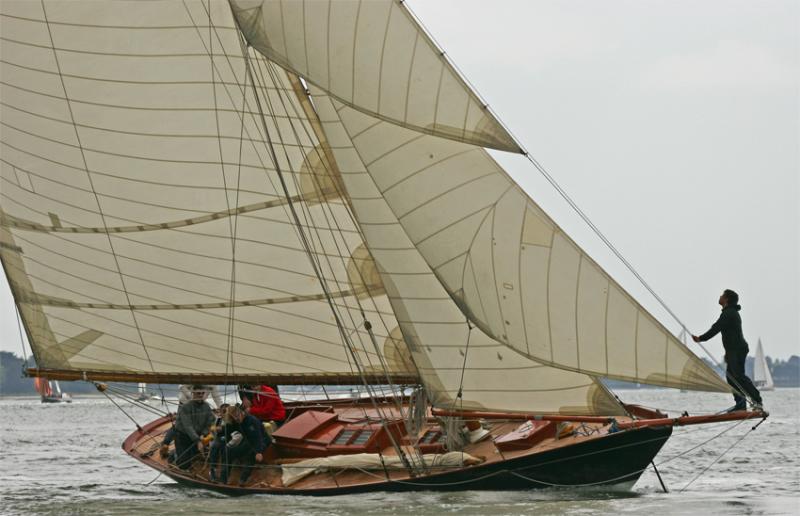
(736, 349)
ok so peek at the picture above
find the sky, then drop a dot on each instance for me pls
(674, 125)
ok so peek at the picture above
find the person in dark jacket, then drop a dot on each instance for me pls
(244, 440)
(736, 349)
(225, 431)
(194, 420)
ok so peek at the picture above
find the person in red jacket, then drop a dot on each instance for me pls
(263, 402)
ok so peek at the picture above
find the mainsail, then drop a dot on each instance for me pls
(144, 228)
(176, 206)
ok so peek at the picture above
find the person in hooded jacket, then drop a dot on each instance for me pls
(736, 349)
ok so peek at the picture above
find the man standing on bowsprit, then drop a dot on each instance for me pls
(736, 349)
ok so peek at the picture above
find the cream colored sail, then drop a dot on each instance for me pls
(450, 355)
(372, 55)
(509, 267)
(143, 226)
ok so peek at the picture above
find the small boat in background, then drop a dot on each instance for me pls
(762, 378)
(50, 391)
(144, 395)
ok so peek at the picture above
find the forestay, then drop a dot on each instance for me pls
(144, 229)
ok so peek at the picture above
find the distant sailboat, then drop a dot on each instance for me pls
(50, 391)
(144, 395)
(762, 378)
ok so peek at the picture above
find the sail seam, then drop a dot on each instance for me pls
(520, 248)
(124, 106)
(577, 304)
(195, 343)
(383, 55)
(193, 307)
(158, 264)
(423, 169)
(123, 27)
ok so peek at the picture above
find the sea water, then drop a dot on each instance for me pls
(66, 459)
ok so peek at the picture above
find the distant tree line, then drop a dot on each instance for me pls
(14, 383)
(785, 373)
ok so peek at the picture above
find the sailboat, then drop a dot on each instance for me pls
(762, 378)
(143, 393)
(50, 391)
(301, 193)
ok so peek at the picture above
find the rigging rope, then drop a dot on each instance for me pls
(307, 245)
(729, 448)
(22, 338)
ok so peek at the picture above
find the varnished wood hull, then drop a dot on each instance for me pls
(601, 459)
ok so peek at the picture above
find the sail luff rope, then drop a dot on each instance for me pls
(306, 244)
(91, 184)
(310, 223)
(315, 255)
(307, 213)
(21, 337)
(332, 217)
(323, 158)
(328, 162)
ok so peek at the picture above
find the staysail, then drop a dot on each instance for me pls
(144, 228)
(460, 365)
(508, 266)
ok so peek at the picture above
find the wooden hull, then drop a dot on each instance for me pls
(599, 458)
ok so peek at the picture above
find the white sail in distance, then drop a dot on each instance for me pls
(762, 378)
(144, 228)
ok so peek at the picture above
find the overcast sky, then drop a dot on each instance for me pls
(674, 125)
